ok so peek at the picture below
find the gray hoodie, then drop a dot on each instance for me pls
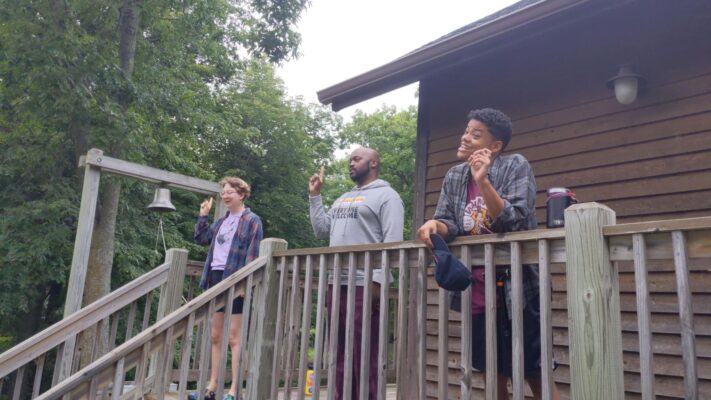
(370, 214)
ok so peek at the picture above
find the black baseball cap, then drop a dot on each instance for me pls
(450, 273)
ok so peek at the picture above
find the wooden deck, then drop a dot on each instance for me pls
(390, 394)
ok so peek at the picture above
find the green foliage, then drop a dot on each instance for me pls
(63, 91)
(276, 145)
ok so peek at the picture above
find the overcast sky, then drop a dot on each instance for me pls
(344, 38)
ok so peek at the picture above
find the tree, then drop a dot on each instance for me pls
(276, 145)
(136, 79)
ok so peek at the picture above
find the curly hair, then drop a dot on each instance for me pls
(237, 184)
(499, 124)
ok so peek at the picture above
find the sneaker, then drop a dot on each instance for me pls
(228, 397)
(209, 395)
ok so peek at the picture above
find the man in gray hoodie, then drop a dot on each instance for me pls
(372, 212)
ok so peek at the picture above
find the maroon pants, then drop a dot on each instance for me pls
(357, 337)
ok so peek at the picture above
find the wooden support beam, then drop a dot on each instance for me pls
(96, 158)
(593, 305)
(80, 258)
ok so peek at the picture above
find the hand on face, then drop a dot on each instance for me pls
(205, 207)
(479, 162)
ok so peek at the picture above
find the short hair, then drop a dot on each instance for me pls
(499, 124)
(237, 184)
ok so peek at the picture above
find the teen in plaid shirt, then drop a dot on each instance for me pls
(492, 193)
(234, 241)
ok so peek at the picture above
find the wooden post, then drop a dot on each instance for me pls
(172, 292)
(593, 305)
(169, 300)
(80, 257)
(261, 346)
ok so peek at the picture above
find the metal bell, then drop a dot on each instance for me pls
(161, 201)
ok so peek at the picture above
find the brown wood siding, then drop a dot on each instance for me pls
(649, 160)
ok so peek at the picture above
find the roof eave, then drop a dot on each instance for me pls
(409, 68)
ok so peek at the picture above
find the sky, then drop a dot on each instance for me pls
(345, 38)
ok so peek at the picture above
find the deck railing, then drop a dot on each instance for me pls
(286, 329)
(30, 357)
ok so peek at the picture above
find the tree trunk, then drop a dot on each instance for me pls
(98, 279)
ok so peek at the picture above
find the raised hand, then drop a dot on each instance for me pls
(315, 183)
(479, 162)
(205, 207)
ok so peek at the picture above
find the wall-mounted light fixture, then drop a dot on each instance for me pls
(626, 84)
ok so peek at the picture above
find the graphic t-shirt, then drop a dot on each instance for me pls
(223, 240)
(477, 222)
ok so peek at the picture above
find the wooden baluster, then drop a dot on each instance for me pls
(643, 317)
(19, 378)
(383, 324)
(279, 335)
(141, 371)
(544, 284)
(366, 310)
(225, 339)
(466, 316)
(130, 321)
(686, 315)
(147, 311)
(39, 370)
(402, 321)
(490, 282)
(93, 387)
(185, 351)
(320, 315)
(113, 331)
(292, 328)
(335, 315)
(118, 380)
(305, 327)
(204, 367)
(442, 341)
(517, 321)
(421, 322)
(57, 364)
(165, 364)
(350, 322)
(96, 350)
(244, 335)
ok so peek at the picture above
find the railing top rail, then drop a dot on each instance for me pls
(154, 331)
(524, 236)
(47, 339)
(685, 224)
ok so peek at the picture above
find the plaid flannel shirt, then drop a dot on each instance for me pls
(245, 244)
(512, 177)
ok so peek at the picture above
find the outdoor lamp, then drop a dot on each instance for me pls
(626, 84)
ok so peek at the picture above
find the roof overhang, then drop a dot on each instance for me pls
(417, 64)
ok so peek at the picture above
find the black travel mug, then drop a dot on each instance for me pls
(559, 198)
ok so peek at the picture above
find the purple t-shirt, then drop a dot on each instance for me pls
(223, 241)
(477, 222)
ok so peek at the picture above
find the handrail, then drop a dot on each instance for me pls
(533, 235)
(686, 224)
(47, 339)
(160, 327)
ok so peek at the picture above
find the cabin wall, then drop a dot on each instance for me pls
(649, 160)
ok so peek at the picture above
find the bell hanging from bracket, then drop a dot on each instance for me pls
(161, 201)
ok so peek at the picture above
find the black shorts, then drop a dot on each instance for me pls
(237, 304)
(531, 341)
